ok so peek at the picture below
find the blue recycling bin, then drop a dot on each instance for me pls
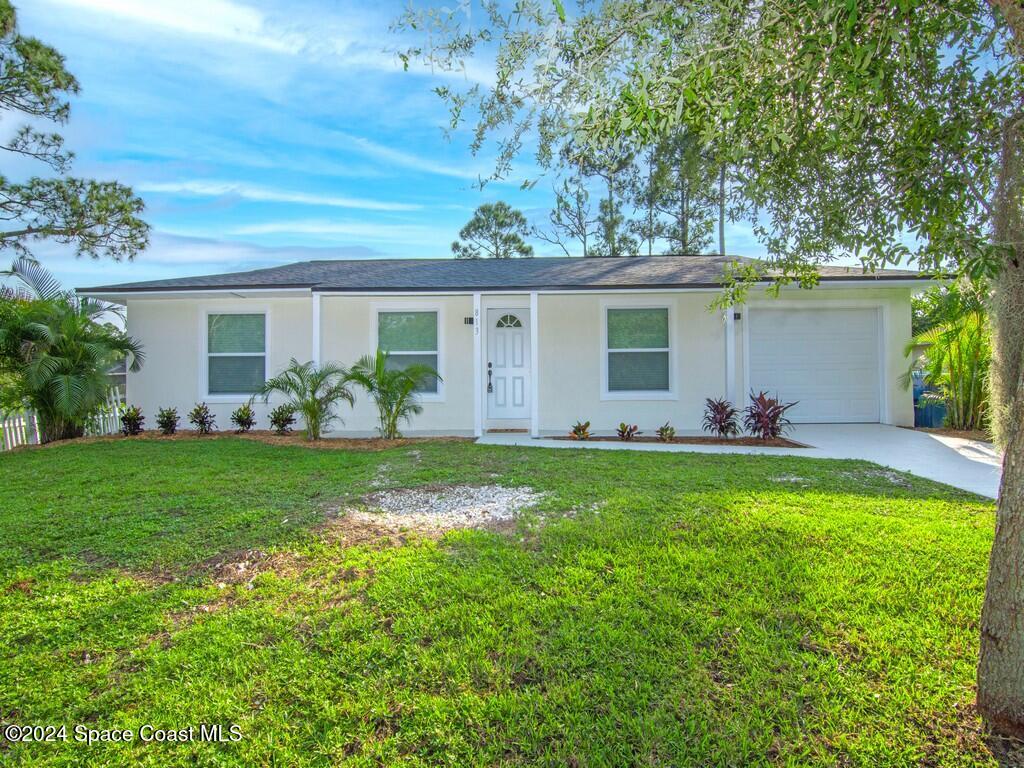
(927, 412)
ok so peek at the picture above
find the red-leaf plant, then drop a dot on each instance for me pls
(765, 417)
(721, 418)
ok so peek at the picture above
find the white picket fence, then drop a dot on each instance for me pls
(19, 428)
(22, 427)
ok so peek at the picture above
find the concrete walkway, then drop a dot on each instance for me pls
(969, 464)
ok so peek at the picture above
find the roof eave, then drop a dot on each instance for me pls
(119, 293)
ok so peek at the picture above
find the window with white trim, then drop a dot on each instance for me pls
(638, 349)
(236, 353)
(410, 338)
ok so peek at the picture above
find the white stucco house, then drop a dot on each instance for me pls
(530, 344)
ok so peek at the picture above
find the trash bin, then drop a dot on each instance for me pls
(927, 412)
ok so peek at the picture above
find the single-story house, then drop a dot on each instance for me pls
(530, 344)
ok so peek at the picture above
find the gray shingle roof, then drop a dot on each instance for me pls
(481, 274)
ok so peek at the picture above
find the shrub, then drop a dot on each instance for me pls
(393, 390)
(167, 420)
(580, 430)
(57, 349)
(312, 390)
(952, 325)
(627, 431)
(201, 417)
(721, 418)
(282, 418)
(131, 420)
(666, 433)
(244, 418)
(765, 417)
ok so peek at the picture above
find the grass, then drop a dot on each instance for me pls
(673, 609)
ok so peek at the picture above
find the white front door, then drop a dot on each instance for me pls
(507, 375)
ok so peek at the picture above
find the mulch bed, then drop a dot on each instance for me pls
(779, 442)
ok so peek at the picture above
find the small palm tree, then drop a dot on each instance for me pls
(56, 351)
(313, 391)
(952, 323)
(393, 389)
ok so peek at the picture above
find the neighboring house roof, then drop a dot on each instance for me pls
(484, 275)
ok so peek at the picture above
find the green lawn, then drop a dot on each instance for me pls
(673, 609)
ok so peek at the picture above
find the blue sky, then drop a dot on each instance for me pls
(261, 133)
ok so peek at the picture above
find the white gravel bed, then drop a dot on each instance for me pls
(460, 506)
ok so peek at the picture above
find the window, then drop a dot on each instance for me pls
(509, 321)
(638, 350)
(236, 347)
(410, 338)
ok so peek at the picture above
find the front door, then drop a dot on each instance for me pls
(508, 364)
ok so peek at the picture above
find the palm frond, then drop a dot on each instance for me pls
(69, 394)
(393, 390)
(313, 391)
(39, 281)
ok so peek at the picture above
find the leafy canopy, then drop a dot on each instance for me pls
(56, 350)
(96, 218)
(854, 128)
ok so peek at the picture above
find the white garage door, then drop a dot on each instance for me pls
(827, 359)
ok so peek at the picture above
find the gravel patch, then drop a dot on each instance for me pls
(460, 506)
(383, 476)
(791, 479)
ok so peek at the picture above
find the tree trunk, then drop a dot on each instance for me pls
(685, 214)
(1001, 662)
(721, 211)
(52, 429)
(650, 206)
(612, 224)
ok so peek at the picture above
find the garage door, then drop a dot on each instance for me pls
(827, 359)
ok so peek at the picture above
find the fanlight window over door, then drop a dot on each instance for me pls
(508, 321)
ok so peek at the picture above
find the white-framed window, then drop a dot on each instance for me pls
(637, 355)
(412, 336)
(236, 353)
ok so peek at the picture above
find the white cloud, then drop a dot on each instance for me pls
(199, 188)
(219, 19)
(347, 37)
(381, 232)
(407, 159)
(174, 255)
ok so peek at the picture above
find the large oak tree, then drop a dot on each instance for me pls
(886, 130)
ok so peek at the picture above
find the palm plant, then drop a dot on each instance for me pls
(953, 325)
(392, 389)
(56, 351)
(313, 391)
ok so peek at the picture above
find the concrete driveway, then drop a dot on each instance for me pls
(969, 464)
